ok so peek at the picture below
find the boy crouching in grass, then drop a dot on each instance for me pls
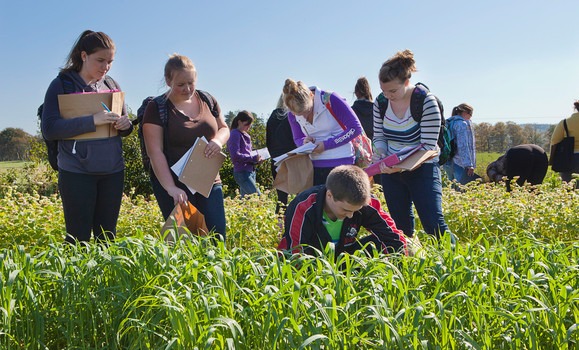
(335, 212)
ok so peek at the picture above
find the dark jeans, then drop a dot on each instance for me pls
(567, 176)
(281, 195)
(91, 203)
(461, 174)
(422, 187)
(212, 208)
(320, 175)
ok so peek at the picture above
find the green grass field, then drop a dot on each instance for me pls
(12, 165)
(511, 283)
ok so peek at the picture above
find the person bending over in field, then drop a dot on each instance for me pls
(529, 162)
(335, 212)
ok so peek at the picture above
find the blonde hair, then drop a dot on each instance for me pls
(178, 62)
(297, 96)
(400, 66)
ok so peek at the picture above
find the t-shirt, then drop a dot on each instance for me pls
(334, 227)
(182, 130)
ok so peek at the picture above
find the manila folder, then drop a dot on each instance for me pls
(80, 105)
(200, 172)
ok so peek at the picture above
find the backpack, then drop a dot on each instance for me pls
(68, 87)
(161, 102)
(362, 144)
(416, 109)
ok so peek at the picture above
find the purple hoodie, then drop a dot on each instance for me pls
(239, 147)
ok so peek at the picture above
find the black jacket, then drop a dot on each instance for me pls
(278, 133)
(363, 109)
(303, 226)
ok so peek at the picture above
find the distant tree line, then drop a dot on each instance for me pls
(16, 144)
(502, 136)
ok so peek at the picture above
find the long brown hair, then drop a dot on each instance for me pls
(89, 42)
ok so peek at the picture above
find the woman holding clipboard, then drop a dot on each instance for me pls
(90, 170)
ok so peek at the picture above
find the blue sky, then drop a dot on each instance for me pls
(513, 61)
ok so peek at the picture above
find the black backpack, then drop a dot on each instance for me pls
(416, 110)
(161, 102)
(68, 87)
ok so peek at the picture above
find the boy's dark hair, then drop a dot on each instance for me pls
(349, 183)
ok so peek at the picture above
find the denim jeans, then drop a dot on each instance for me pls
(422, 187)
(91, 203)
(212, 208)
(461, 174)
(246, 181)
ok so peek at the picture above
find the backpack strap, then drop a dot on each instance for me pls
(110, 83)
(67, 83)
(382, 104)
(161, 102)
(325, 96)
(210, 101)
(417, 101)
(565, 126)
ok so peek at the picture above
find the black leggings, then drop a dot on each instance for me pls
(90, 203)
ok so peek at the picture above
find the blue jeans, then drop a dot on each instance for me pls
(461, 174)
(422, 187)
(449, 170)
(212, 208)
(246, 181)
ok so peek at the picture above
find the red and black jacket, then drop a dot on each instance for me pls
(304, 229)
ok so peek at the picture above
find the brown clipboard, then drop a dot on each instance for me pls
(416, 159)
(200, 172)
(80, 105)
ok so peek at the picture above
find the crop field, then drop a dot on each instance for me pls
(512, 282)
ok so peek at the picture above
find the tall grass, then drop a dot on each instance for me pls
(512, 282)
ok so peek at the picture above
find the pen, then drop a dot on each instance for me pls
(105, 107)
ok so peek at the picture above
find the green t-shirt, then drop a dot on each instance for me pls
(334, 227)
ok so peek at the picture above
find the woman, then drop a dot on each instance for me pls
(363, 105)
(188, 117)
(464, 161)
(396, 130)
(279, 140)
(90, 171)
(242, 157)
(331, 130)
(558, 135)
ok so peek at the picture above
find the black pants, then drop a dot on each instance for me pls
(281, 195)
(91, 203)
